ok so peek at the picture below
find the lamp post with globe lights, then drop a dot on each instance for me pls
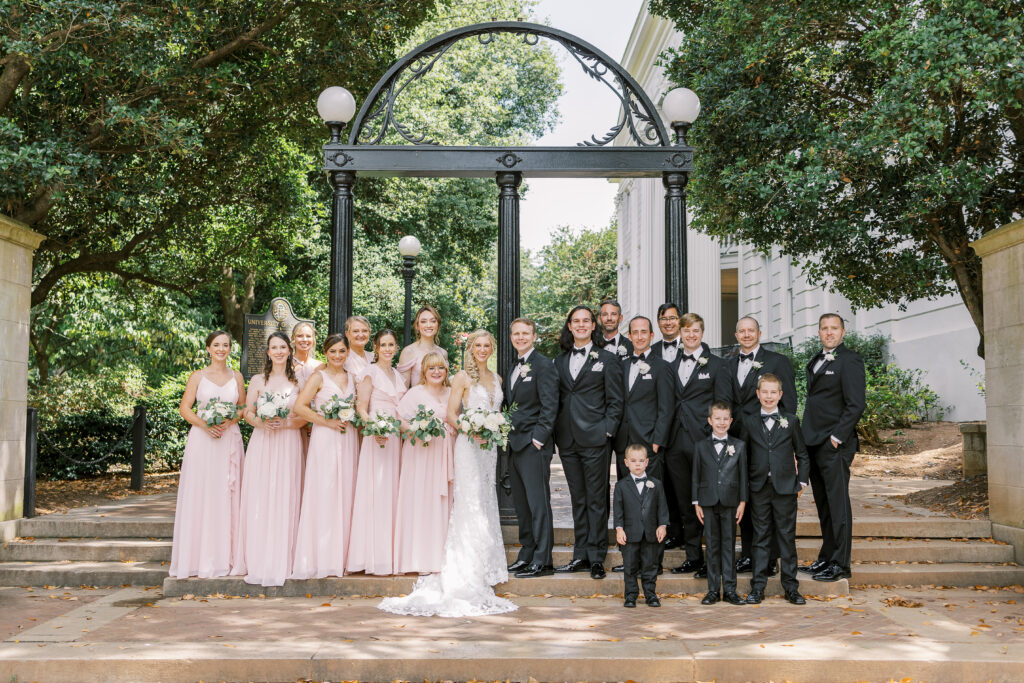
(336, 107)
(681, 107)
(409, 248)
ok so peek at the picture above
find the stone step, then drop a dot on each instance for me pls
(87, 549)
(563, 585)
(962, 574)
(82, 573)
(59, 526)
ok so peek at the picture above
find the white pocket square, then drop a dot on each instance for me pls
(598, 367)
(704, 375)
(829, 372)
(527, 379)
(645, 376)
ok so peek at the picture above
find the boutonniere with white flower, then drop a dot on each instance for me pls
(784, 423)
(703, 360)
(830, 356)
(757, 365)
(643, 367)
(593, 355)
(621, 351)
(730, 449)
(524, 370)
(649, 484)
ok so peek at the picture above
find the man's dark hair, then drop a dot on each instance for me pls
(665, 306)
(567, 341)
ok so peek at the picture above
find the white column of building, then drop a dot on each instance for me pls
(704, 280)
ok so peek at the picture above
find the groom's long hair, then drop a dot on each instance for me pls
(567, 341)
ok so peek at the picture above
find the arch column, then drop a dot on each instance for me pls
(675, 239)
(342, 220)
(508, 308)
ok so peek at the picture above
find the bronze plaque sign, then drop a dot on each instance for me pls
(258, 327)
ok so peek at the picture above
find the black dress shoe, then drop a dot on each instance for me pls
(701, 573)
(688, 566)
(653, 602)
(630, 602)
(534, 570)
(710, 599)
(833, 572)
(619, 568)
(813, 567)
(795, 598)
(755, 597)
(732, 598)
(674, 543)
(574, 566)
(597, 571)
(517, 565)
(744, 564)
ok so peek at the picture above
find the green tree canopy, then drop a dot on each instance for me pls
(872, 141)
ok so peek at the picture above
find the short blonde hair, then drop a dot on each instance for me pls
(691, 318)
(769, 377)
(430, 360)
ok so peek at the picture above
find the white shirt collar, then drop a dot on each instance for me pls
(587, 347)
(753, 351)
(526, 356)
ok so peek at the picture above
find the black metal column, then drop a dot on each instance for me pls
(138, 448)
(28, 507)
(342, 216)
(508, 308)
(408, 271)
(675, 239)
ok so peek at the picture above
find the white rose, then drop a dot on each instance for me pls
(477, 420)
(492, 422)
(266, 410)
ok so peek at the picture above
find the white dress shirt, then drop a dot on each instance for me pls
(668, 353)
(577, 360)
(515, 374)
(640, 484)
(634, 368)
(687, 366)
(746, 365)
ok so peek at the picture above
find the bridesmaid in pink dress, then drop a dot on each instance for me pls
(272, 484)
(424, 499)
(206, 517)
(357, 332)
(371, 542)
(305, 363)
(426, 324)
(330, 470)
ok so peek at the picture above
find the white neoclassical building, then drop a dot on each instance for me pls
(729, 279)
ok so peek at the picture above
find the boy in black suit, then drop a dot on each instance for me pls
(641, 521)
(720, 494)
(777, 469)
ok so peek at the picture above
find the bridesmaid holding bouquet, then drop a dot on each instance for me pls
(357, 332)
(426, 324)
(206, 517)
(424, 494)
(272, 484)
(326, 516)
(371, 543)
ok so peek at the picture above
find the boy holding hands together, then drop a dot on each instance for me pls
(641, 521)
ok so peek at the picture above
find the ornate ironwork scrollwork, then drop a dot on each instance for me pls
(637, 116)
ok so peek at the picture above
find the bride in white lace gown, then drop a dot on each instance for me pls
(474, 552)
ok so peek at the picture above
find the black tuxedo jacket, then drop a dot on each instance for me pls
(835, 397)
(648, 406)
(639, 516)
(590, 406)
(743, 397)
(620, 341)
(658, 345)
(536, 399)
(695, 397)
(719, 479)
(780, 453)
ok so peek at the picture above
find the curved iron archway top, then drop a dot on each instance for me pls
(638, 115)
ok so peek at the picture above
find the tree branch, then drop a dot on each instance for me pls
(41, 203)
(15, 67)
(220, 54)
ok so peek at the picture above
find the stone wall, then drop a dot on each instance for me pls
(17, 243)
(1002, 253)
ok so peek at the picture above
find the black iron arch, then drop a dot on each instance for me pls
(638, 115)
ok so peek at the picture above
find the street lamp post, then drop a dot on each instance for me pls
(336, 107)
(409, 248)
(681, 106)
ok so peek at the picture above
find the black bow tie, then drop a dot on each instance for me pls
(674, 344)
(721, 441)
(769, 416)
(521, 360)
(747, 356)
(689, 356)
(580, 351)
(639, 480)
(637, 359)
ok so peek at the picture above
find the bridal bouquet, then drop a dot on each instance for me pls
(381, 424)
(215, 412)
(338, 408)
(425, 426)
(270, 405)
(490, 426)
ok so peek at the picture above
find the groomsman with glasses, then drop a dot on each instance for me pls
(667, 348)
(836, 388)
(737, 386)
(610, 317)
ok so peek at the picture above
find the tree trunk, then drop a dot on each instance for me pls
(234, 304)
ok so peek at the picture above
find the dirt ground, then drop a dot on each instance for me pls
(60, 496)
(932, 450)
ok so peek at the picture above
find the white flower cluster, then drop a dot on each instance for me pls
(381, 424)
(215, 411)
(425, 426)
(338, 408)
(270, 405)
(491, 426)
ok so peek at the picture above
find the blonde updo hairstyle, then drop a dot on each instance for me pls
(472, 369)
(431, 359)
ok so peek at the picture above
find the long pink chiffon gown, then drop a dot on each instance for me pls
(414, 362)
(269, 515)
(371, 542)
(424, 499)
(326, 516)
(206, 516)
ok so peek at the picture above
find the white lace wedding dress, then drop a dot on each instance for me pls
(474, 553)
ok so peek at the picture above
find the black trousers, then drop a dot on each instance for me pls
(830, 482)
(720, 534)
(764, 505)
(640, 557)
(679, 462)
(747, 538)
(529, 476)
(586, 473)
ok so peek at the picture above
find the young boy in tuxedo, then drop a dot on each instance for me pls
(641, 521)
(777, 470)
(720, 492)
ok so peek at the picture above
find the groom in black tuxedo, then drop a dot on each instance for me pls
(590, 388)
(737, 386)
(531, 383)
(836, 390)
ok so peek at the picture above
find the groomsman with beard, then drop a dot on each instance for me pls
(737, 386)
(531, 383)
(649, 391)
(835, 401)
(696, 371)
(610, 317)
(590, 387)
